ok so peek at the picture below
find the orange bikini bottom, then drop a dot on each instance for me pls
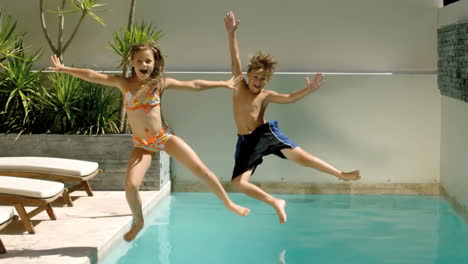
(156, 142)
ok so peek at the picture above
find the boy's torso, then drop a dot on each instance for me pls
(249, 109)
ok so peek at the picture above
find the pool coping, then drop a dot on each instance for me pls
(107, 247)
(324, 188)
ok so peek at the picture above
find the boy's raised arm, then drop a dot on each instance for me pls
(311, 86)
(231, 25)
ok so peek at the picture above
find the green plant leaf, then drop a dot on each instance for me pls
(141, 32)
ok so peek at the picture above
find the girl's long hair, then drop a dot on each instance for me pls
(157, 75)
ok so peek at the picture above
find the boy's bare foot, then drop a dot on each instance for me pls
(279, 206)
(350, 176)
(130, 235)
(235, 208)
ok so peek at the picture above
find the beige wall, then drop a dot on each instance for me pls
(453, 13)
(454, 168)
(319, 35)
(387, 126)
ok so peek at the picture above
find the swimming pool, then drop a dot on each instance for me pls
(364, 229)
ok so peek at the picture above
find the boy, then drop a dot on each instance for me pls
(258, 138)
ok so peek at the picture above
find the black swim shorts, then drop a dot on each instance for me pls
(264, 140)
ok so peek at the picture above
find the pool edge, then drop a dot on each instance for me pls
(104, 249)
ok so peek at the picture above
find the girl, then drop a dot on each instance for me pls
(142, 97)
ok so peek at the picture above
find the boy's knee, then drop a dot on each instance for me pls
(299, 159)
(238, 183)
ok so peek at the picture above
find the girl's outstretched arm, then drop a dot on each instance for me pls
(87, 74)
(200, 85)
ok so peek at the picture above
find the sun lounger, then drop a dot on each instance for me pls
(53, 169)
(21, 192)
(7, 215)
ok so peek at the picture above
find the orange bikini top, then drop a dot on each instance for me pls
(152, 99)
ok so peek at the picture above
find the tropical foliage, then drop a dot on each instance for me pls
(18, 92)
(99, 110)
(81, 7)
(79, 107)
(8, 37)
(141, 32)
(30, 103)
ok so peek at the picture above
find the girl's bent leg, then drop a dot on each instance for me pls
(182, 152)
(138, 164)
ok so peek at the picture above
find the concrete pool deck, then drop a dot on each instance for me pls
(81, 234)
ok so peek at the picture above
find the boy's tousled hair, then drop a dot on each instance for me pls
(261, 60)
(158, 71)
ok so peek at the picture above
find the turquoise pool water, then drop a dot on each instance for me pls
(352, 229)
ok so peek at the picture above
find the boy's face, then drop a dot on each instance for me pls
(258, 78)
(143, 63)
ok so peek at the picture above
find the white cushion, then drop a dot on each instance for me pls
(6, 213)
(29, 187)
(48, 165)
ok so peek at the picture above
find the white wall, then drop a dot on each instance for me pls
(387, 126)
(305, 35)
(454, 168)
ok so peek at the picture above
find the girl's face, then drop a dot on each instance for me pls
(143, 64)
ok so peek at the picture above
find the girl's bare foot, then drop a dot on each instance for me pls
(350, 176)
(279, 206)
(130, 235)
(235, 208)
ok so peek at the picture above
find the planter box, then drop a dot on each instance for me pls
(110, 151)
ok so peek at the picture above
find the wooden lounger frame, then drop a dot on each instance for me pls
(82, 180)
(3, 225)
(42, 204)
